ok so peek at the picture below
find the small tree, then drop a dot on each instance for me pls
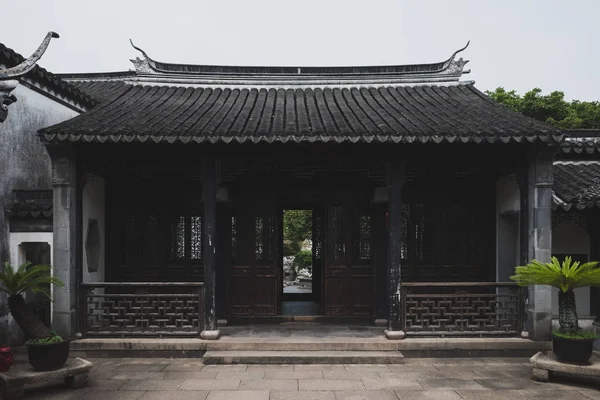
(566, 276)
(14, 283)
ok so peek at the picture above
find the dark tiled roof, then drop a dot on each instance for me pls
(11, 58)
(583, 141)
(31, 204)
(577, 184)
(103, 91)
(405, 114)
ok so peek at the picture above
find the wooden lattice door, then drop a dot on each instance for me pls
(254, 284)
(349, 276)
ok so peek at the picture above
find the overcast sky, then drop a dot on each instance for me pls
(518, 44)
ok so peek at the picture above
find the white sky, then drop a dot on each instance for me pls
(518, 44)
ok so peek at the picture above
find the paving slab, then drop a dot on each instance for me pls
(307, 395)
(172, 395)
(152, 384)
(427, 395)
(139, 375)
(449, 384)
(210, 384)
(269, 384)
(391, 383)
(520, 395)
(346, 375)
(325, 384)
(140, 367)
(319, 367)
(192, 375)
(238, 395)
(365, 395)
(274, 374)
(104, 384)
(240, 374)
(507, 384)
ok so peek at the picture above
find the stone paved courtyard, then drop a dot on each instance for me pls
(419, 378)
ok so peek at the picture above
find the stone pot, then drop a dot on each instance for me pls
(48, 357)
(572, 351)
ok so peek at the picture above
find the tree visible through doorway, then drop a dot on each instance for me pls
(297, 251)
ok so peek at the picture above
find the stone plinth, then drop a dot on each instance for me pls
(543, 366)
(12, 384)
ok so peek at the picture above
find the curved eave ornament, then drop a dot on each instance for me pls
(8, 77)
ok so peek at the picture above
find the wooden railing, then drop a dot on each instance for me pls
(141, 309)
(462, 308)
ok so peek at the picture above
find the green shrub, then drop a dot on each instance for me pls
(303, 259)
(49, 340)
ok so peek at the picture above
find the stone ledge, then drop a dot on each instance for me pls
(12, 383)
(469, 344)
(543, 366)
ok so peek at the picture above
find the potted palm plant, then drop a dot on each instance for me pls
(570, 344)
(46, 350)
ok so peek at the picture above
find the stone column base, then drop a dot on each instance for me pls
(394, 335)
(210, 335)
(540, 326)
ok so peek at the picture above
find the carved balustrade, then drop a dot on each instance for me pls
(141, 309)
(461, 309)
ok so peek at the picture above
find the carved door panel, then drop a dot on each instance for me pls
(348, 268)
(254, 279)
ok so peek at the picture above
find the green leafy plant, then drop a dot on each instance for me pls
(303, 259)
(15, 282)
(49, 340)
(565, 276)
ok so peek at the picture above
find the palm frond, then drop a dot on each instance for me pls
(27, 277)
(565, 276)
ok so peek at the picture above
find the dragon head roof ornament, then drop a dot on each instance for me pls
(9, 77)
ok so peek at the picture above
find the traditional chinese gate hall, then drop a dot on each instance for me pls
(398, 164)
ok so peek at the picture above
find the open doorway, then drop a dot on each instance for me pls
(299, 296)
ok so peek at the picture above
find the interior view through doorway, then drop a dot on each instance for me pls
(300, 279)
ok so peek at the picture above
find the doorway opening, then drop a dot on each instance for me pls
(299, 296)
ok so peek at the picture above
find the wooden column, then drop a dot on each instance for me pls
(396, 177)
(209, 191)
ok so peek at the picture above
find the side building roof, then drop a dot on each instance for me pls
(40, 78)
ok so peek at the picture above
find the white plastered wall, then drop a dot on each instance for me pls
(94, 208)
(17, 257)
(570, 238)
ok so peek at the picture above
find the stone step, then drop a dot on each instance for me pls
(303, 357)
(292, 344)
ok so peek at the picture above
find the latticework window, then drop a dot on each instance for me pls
(263, 230)
(233, 237)
(196, 237)
(361, 240)
(177, 250)
(318, 240)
